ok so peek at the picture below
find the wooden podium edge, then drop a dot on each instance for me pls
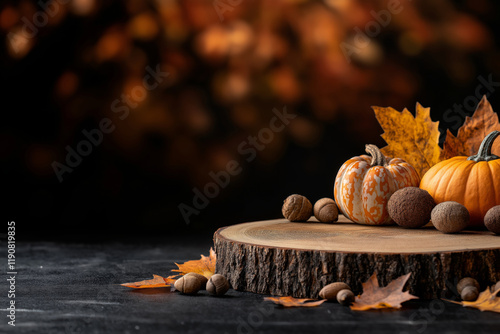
(303, 272)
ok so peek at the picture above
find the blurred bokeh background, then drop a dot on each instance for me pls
(67, 65)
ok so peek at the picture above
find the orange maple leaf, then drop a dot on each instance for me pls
(375, 297)
(414, 139)
(295, 302)
(204, 266)
(471, 134)
(487, 301)
(156, 282)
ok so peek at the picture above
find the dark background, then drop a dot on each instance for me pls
(225, 78)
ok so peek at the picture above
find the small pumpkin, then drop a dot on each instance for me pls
(364, 185)
(473, 182)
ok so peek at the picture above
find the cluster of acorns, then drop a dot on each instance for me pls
(468, 288)
(409, 207)
(339, 292)
(191, 283)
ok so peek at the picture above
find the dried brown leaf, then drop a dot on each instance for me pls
(471, 134)
(414, 139)
(375, 297)
(156, 282)
(295, 302)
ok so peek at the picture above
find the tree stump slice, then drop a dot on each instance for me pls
(281, 258)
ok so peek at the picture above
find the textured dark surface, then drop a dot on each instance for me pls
(74, 288)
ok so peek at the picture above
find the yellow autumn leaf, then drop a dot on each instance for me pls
(204, 266)
(487, 301)
(414, 139)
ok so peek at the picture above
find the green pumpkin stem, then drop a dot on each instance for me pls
(378, 159)
(484, 153)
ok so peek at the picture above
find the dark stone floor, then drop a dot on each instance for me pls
(74, 288)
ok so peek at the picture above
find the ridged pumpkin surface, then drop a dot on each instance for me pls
(476, 185)
(362, 191)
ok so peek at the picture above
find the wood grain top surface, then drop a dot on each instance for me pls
(345, 236)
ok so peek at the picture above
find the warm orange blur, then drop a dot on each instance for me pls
(230, 64)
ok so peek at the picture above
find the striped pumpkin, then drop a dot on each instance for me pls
(364, 185)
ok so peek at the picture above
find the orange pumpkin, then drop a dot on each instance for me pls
(473, 182)
(364, 185)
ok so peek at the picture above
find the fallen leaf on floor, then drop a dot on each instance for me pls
(471, 134)
(487, 301)
(414, 139)
(204, 266)
(156, 282)
(295, 302)
(375, 297)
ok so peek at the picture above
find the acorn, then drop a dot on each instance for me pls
(492, 219)
(465, 282)
(297, 208)
(330, 291)
(188, 284)
(469, 293)
(411, 207)
(450, 217)
(345, 297)
(203, 280)
(326, 211)
(217, 285)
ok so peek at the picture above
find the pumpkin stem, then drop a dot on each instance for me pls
(484, 153)
(378, 159)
